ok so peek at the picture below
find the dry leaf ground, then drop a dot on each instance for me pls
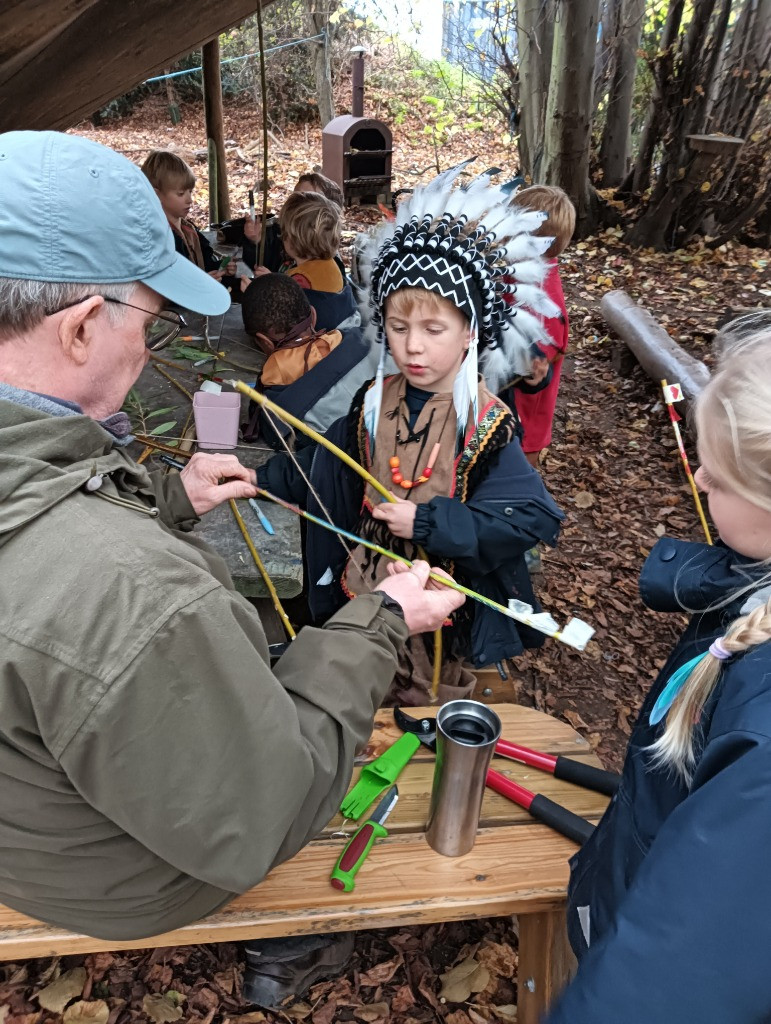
(613, 445)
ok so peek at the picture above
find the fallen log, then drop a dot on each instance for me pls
(660, 356)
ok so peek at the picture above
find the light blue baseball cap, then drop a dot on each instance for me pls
(75, 211)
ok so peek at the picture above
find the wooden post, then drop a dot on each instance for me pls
(546, 963)
(219, 200)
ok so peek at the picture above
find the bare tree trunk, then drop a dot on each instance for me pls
(317, 20)
(569, 108)
(604, 58)
(616, 138)
(535, 32)
(662, 71)
(742, 84)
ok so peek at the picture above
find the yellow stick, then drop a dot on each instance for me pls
(263, 571)
(298, 424)
(686, 464)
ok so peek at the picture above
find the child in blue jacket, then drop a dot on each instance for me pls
(668, 907)
(434, 433)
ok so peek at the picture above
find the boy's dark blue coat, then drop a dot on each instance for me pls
(678, 882)
(508, 512)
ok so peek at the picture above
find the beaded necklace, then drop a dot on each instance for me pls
(394, 462)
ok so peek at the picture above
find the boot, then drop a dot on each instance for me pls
(279, 968)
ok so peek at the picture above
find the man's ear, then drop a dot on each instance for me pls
(313, 318)
(265, 343)
(76, 329)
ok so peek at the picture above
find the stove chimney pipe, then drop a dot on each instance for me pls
(357, 81)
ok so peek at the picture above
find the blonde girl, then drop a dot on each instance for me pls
(670, 900)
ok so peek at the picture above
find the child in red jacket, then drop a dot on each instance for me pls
(535, 397)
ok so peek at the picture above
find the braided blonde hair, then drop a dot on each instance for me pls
(675, 747)
(733, 421)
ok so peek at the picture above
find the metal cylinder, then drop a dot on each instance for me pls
(466, 734)
(357, 83)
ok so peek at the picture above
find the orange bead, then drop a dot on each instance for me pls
(394, 462)
(406, 484)
(397, 478)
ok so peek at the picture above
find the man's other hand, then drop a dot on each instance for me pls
(425, 603)
(211, 479)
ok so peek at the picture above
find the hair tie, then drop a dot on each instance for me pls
(718, 650)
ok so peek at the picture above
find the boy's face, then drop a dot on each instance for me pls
(176, 202)
(428, 344)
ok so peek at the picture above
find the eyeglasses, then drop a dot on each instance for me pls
(159, 332)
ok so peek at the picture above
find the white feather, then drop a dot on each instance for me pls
(465, 393)
(536, 299)
(525, 247)
(530, 271)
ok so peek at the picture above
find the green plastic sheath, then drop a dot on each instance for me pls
(379, 775)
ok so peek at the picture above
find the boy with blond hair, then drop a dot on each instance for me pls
(311, 231)
(174, 181)
(535, 397)
(434, 433)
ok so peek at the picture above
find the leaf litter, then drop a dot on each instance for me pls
(614, 470)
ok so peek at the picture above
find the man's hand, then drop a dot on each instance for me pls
(211, 479)
(399, 517)
(425, 603)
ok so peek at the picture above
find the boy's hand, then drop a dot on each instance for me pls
(538, 370)
(261, 271)
(399, 517)
(217, 274)
(253, 229)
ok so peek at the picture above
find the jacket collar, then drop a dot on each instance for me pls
(685, 576)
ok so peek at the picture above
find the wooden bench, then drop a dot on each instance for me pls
(516, 867)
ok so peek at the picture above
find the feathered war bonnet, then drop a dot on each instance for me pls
(472, 247)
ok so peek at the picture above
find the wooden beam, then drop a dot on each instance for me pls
(75, 56)
(655, 351)
(219, 199)
(546, 963)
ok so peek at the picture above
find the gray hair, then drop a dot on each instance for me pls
(25, 304)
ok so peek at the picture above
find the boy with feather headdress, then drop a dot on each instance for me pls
(441, 280)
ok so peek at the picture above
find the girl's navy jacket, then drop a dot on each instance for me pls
(669, 906)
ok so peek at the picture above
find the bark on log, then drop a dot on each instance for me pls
(660, 356)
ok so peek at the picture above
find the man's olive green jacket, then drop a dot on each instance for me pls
(152, 764)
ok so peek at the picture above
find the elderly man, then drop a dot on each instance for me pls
(151, 763)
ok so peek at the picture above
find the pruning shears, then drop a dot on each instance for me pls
(547, 811)
(359, 845)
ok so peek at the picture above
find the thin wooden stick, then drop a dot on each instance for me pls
(686, 465)
(264, 90)
(175, 383)
(263, 571)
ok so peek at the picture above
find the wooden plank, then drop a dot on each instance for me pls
(76, 56)
(546, 963)
(516, 870)
(415, 782)
(281, 553)
(525, 726)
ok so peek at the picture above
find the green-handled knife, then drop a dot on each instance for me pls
(358, 846)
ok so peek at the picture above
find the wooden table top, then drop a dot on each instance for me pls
(515, 867)
(281, 552)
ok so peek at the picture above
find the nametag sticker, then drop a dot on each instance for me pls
(584, 919)
(326, 579)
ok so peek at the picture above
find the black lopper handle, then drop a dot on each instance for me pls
(586, 775)
(561, 819)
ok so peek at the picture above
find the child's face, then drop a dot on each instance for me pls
(428, 344)
(743, 526)
(176, 202)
